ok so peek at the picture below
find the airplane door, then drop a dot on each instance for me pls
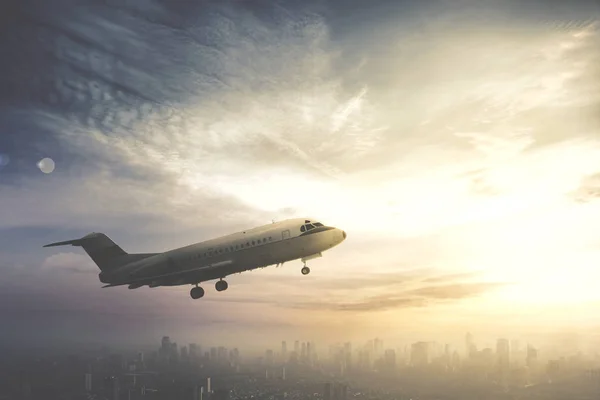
(285, 234)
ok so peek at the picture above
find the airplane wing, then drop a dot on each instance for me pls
(170, 277)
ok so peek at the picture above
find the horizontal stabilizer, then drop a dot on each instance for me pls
(113, 285)
(75, 242)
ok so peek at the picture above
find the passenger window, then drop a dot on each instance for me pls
(230, 248)
(303, 229)
(264, 240)
(253, 243)
(247, 244)
(270, 238)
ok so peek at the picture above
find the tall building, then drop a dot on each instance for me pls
(115, 389)
(419, 354)
(503, 359)
(470, 348)
(297, 347)
(348, 355)
(88, 382)
(284, 351)
(166, 343)
(208, 388)
(532, 356)
(503, 353)
(389, 358)
(269, 357)
(222, 355)
(377, 347)
(327, 391)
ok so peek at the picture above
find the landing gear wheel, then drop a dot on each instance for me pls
(221, 285)
(196, 292)
(305, 270)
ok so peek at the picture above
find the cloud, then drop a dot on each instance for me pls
(429, 145)
(451, 277)
(589, 189)
(398, 291)
(380, 303)
(426, 296)
(456, 291)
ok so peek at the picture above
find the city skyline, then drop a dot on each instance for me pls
(171, 369)
(457, 144)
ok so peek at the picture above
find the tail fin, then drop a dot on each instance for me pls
(103, 251)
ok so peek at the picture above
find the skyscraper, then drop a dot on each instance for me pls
(115, 388)
(327, 392)
(503, 352)
(503, 357)
(88, 382)
(390, 360)
(419, 355)
(378, 347)
(470, 348)
(284, 351)
(532, 355)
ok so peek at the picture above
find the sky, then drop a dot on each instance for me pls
(456, 142)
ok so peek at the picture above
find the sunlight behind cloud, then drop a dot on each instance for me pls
(478, 140)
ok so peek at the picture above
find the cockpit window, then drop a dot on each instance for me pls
(309, 227)
(318, 224)
(303, 229)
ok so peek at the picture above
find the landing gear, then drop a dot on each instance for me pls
(221, 285)
(305, 270)
(196, 292)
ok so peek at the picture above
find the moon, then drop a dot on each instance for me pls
(46, 165)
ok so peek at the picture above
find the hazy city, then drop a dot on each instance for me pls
(299, 369)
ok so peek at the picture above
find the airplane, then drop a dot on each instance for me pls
(260, 247)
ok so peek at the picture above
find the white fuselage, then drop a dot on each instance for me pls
(217, 258)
